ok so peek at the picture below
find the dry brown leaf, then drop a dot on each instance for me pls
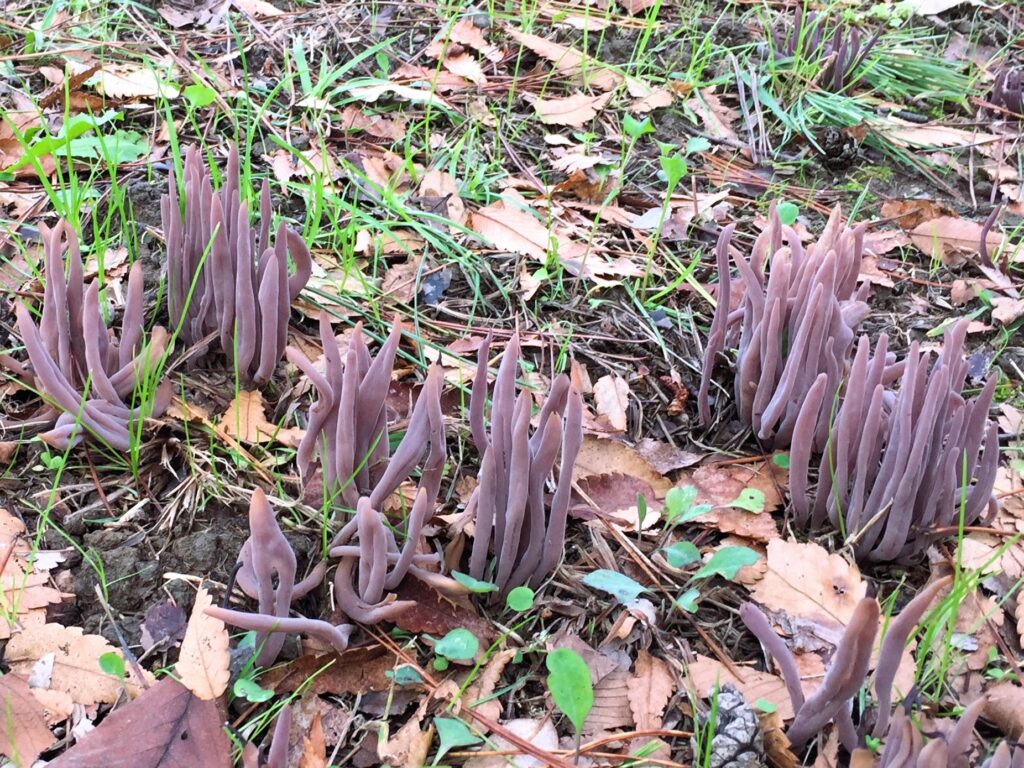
(570, 61)
(24, 579)
(909, 214)
(354, 119)
(246, 421)
(509, 227)
(57, 705)
(408, 748)
(483, 686)
(575, 111)
(76, 665)
(611, 708)
(1006, 310)
(466, 33)
(24, 734)
(805, 580)
(721, 484)
(912, 135)
(128, 81)
(952, 240)
(602, 456)
(1005, 708)
(611, 396)
(205, 658)
(649, 690)
(707, 674)
(425, 95)
(717, 117)
(440, 186)
(314, 748)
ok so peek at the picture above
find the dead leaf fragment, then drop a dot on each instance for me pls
(575, 111)
(204, 662)
(24, 734)
(76, 665)
(707, 674)
(953, 240)
(246, 420)
(649, 690)
(611, 394)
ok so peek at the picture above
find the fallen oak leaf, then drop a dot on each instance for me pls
(575, 111)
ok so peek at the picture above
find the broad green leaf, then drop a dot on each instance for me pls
(121, 147)
(765, 706)
(688, 600)
(570, 685)
(675, 168)
(248, 689)
(727, 561)
(750, 499)
(680, 507)
(520, 599)
(452, 733)
(682, 554)
(636, 128)
(781, 460)
(622, 588)
(473, 585)
(199, 96)
(459, 645)
(696, 144)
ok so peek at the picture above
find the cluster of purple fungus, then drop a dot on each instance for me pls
(1008, 90)
(267, 575)
(512, 517)
(791, 326)
(348, 423)
(842, 52)
(88, 375)
(892, 465)
(225, 279)
(899, 464)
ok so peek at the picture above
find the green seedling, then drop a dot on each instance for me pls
(570, 685)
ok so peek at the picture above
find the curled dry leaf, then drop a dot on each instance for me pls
(204, 662)
(483, 686)
(952, 240)
(1005, 708)
(599, 457)
(76, 663)
(611, 395)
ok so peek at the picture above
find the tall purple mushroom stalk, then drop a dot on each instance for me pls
(267, 575)
(88, 375)
(898, 464)
(348, 424)
(225, 278)
(843, 53)
(790, 327)
(1008, 90)
(513, 520)
(847, 673)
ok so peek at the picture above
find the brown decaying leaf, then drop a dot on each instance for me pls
(952, 240)
(484, 683)
(438, 614)
(204, 662)
(576, 110)
(615, 496)
(599, 457)
(706, 674)
(720, 484)
(246, 420)
(25, 733)
(909, 214)
(314, 750)
(611, 708)
(76, 666)
(511, 228)
(649, 690)
(611, 396)
(1005, 708)
(165, 726)
(408, 748)
(26, 587)
(806, 581)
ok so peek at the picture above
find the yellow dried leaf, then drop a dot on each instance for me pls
(246, 421)
(204, 662)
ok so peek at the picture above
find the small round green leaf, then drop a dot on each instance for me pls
(112, 663)
(458, 645)
(696, 144)
(787, 212)
(520, 599)
(570, 685)
(781, 460)
(473, 585)
(682, 554)
(622, 588)
(765, 706)
(404, 675)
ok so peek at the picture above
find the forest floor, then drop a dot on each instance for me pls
(562, 169)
